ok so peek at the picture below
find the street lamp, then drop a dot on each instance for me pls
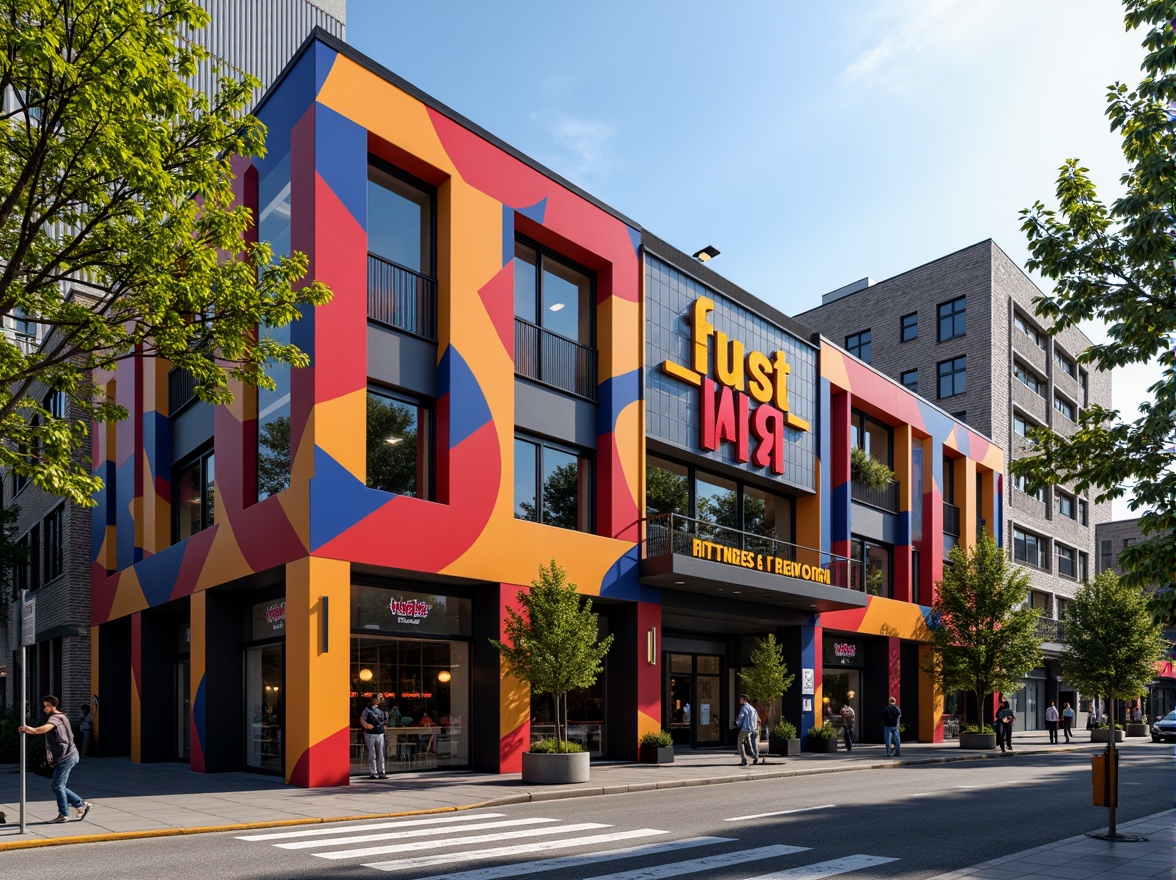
(707, 253)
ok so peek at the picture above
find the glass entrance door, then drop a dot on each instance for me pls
(693, 699)
(264, 684)
(183, 710)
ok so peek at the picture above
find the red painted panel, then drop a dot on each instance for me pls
(325, 763)
(498, 299)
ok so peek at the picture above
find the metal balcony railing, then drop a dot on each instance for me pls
(884, 499)
(181, 390)
(1051, 630)
(402, 298)
(668, 533)
(554, 360)
(951, 520)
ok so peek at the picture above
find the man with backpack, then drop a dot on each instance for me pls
(890, 718)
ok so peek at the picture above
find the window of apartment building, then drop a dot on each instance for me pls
(57, 403)
(910, 380)
(1062, 604)
(859, 345)
(949, 483)
(1022, 426)
(1065, 408)
(872, 571)
(1127, 542)
(1067, 559)
(1031, 489)
(194, 502)
(1030, 549)
(55, 543)
(554, 321)
(873, 436)
(1026, 378)
(1027, 327)
(952, 318)
(553, 484)
(910, 326)
(20, 572)
(961, 416)
(1064, 504)
(1083, 567)
(1083, 512)
(399, 444)
(34, 538)
(1065, 363)
(1106, 556)
(401, 251)
(1082, 384)
(952, 377)
(273, 406)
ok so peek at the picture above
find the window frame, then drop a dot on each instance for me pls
(427, 189)
(908, 374)
(1061, 499)
(1021, 484)
(425, 407)
(201, 458)
(586, 506)
(908, 322)
(1027, 378)
(1022, 537)
(1036, 335)
(1068, 554)
(1067, 363)
(546, 253)
(957, 315)
(862, 341)
(55, 543)
(1067, 408)
(961, 371)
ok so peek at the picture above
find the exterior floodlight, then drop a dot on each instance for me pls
(707, 253)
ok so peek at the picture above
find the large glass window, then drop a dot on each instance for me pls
(1025, 326)
(1065, 364)
(398, 444)
(1064, 504)
(55, 544)
(872, 571)
(910, 326)
(952, 376)
(194, 501)
(1067, 561)
(667, 487)
(859, 345)
(1065, 408)
(1026, 378)
(952, 317)
(400, 221)
(273, 405)
(910, 380)
(716, 501)
(553, 485)
(872, 436)
(1030, 549)
(767, 514)
(264, 706)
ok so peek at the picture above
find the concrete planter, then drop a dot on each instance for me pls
(540, 769)
(656, 754)
(978, 741)
(1103, 734)
(1137, 730)
(821, 745)
(785, 747)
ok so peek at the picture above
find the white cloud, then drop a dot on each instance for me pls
(585, 148)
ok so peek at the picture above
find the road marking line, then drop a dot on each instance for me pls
(344, 829)
(693, 866)
(830, 868)
(458, 841)
(780, 813)
(415, 832)
(576, 861)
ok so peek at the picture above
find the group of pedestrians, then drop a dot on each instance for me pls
(1053, 719)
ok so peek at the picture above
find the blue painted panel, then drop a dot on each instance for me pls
(338, 500)
(340, 151)
(468, 410)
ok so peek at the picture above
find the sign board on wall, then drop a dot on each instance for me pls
(28, 622)
(808, 681)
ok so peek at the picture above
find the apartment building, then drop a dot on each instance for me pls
(962, 331)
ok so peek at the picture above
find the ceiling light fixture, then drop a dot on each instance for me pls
(392, 441)
(555, 307)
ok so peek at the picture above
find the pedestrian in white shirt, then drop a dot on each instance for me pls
(747, 722)
(1051, 721)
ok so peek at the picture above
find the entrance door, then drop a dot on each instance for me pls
(183, 710)
(264, 700)
(842, 688)
(693, 706)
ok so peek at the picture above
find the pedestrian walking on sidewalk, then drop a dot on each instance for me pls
(62, 755)
(1004, 726)
(890, 720)
(747, 723)
(1051, 721)
(373, 720)
(1067, 720)
(848, 716)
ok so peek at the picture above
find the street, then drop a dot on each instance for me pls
(907, 822)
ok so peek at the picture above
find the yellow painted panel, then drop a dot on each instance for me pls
(515, 703)
(342, 432)
(225, 561)
(833, 368)
(646, 724)
(890, 617)
(128, 598)
(929, 696)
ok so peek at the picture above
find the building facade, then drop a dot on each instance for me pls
(962, 331)
(510, 372)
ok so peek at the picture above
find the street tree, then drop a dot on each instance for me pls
(119, 235)
(767, 677)
(983, 638)
(1112, 645)
(1117, 264)
(553, 644)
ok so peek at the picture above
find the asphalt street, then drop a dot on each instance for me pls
(905, 822)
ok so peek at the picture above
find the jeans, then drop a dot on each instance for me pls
(1066, 728)
(891, 734)
(65, 797)
(749, 739)
(1052, 727)
(848, 728)
(375, 750)
(1004, 735)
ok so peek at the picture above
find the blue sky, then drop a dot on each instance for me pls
(813, 144)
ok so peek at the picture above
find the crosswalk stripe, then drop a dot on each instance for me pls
(831, 868)
(707, 863)
(536, 867)
(458, 841)
(413, 832)
(403, 823)
(780, 813)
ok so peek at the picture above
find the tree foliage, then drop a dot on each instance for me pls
(1117, 264)
(119, 236)
(767, 678)
(983, 639)
(553, 644)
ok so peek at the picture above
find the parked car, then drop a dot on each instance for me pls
(1165, 728)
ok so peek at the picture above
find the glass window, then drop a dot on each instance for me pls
(552, 485)
(194, 501)
(872, 574)
(1066, 557)
(767, 514)
(1029, 549)
(55, 544)
(1021, 425)
(716, 500)
(553, 294)
(667, 487)
(952, 377)
(398, 445)
(910, 326)
(1065, 408)
(1025, 326)
(400, 221)
(952, 318)
(859, 345)
(872, 436)
(1066, 365)
(1022, 483)
(1083, 513)
(1064, 504)
(273, 406)
(910, 380)
(1026, 378)
(1083, 567)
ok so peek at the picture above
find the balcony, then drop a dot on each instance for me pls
(951, 520)
(554, 360)
(1051, 630)
(401, 298)
(884, 499)
(181, 390)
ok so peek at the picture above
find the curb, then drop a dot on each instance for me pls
(525, 798)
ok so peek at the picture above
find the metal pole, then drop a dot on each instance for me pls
(24, 715)
(1112, 776)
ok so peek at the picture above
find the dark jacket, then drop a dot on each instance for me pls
(890, 715)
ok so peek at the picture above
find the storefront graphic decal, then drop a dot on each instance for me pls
(712, 552)
(410, 611)
(844, 649)
(808, 681)
(727, 413)
(275, 615)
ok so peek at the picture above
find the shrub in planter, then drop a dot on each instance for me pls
(657, 748)
(552, 746)
(823, 738)
(783, 739)
(973, 736)
(869, 471)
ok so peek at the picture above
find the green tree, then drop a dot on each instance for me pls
(553, 644)
(983, 638)
(767, 678)
(1112, 644)
(119, 236)
(1117, 264)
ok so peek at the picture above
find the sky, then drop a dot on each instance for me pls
(812, 143)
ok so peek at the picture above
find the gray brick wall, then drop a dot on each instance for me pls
(1119, 534)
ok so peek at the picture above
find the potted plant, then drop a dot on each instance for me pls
(767, 678)
(657, 748)
(783, 739)
(974, 736)
(1100, 733)
(1137, 728)
(553, 645)
(869, 471)
(822, 739)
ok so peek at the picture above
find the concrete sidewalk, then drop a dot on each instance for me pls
(147, 800)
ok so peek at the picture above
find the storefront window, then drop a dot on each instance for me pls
(264, 700)
(667, 487)
(404, 611)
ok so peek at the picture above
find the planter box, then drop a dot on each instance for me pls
(978, 741)
(821, 745)
(1103, 734)
(777, 746)
(1137, 730)
(541, 769)
(656, 754)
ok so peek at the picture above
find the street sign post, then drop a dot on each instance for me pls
(28, 638)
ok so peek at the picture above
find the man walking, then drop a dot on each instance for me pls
(747, 722)
(1051, 721)
(1004, 726)
(890, 719)
(62, 755)
(1067, 720)
(373, 720)
(848, 716)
